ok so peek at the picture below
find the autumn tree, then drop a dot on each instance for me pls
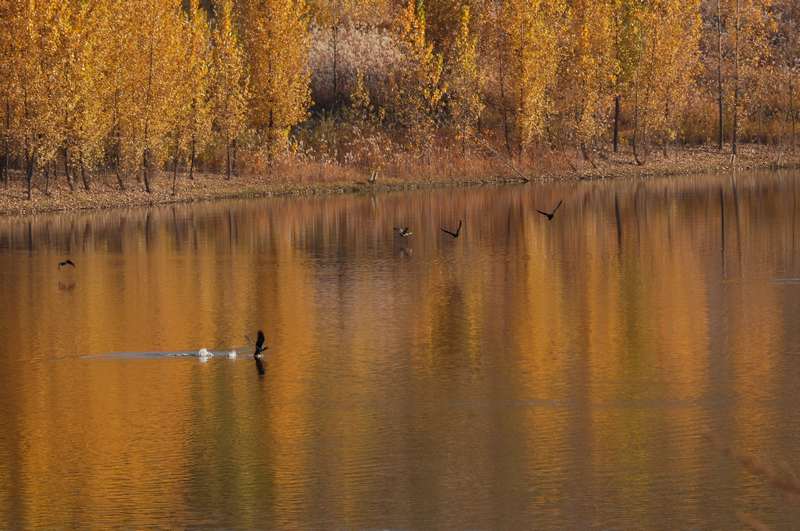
(786, 13)
(419, 85)
(752, 28)
(532, 28)
(626, 26)
(276, 45)
(588, 72)
(35, 28)
(676, 55)
(192, 117)
(80, 93)
(228, 82)
(465, 82)
(8, 86)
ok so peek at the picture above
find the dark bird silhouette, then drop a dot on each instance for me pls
(453, 234)
(66, 263)
(404, 232)
(549, 215)
(257, 354)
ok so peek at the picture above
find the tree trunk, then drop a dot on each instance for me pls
(228, 161)
(270, 139)
(146, 169)
(191, 159)
(335, 31)
(31, 167)
(175, 169)
(617, 99)
(118, 170)
(46, 179)
(585, 155)
(66, 170)
(84, 173)
(636, 125)
(735, 133)
(235, 162)
(719, 75)
(5, 162)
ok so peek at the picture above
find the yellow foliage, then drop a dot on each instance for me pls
(465, 81)
(276, 37)
(419, 85)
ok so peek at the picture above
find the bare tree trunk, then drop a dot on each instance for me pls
(46, 179)
(719, 75)
(146, 169)
(84, 173)
(585, 155)
(335, 35)
(175, 168)
(617, 99)
(67, 174)
(235, 162)
(228, 161)
(5, 163)
(118, 171)
(30, 162)
(191, 159)
(270, 139)
(636, 124)
(735, 133)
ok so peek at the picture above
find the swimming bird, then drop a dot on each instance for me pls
(404, 232)
(257, 354)
(456, 233)
(550, 215)
(232, 355)
(66, 262)
(204, 355)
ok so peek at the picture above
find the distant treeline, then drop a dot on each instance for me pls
(135, 88)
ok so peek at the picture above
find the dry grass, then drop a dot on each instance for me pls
(441, 167)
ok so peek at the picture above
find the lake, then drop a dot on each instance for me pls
(580, 372)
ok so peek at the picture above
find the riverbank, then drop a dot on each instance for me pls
(312, 179)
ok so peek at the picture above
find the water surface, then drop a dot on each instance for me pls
(529, 374)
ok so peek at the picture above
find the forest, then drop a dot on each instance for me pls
(129, 92)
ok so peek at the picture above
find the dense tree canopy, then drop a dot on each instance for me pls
(134, 88)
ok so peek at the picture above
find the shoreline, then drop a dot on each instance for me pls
(212, 187)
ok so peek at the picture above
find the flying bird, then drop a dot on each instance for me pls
(66, 263)
(404, 231)
(549, 215)
(456, 233)
(257, 354)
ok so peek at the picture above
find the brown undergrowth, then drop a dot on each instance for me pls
(446, 168)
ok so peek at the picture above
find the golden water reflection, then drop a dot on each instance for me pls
(529, 374)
